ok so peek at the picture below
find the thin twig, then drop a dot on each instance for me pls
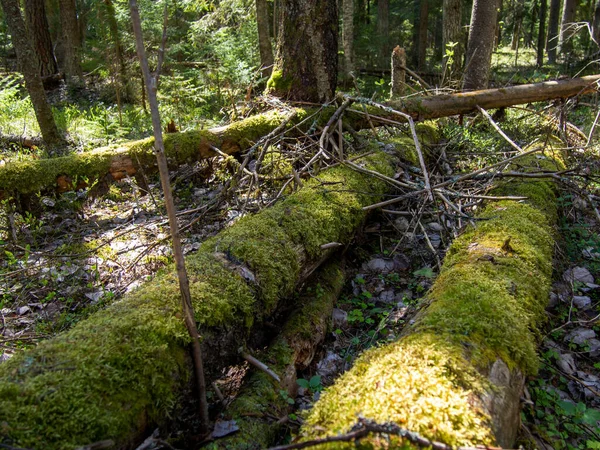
(499, 130)
(259, 365)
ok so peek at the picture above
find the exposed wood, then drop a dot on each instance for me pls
(120, 161)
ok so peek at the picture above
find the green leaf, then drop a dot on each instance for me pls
(315, 382)
(426, 272)
(568, 407)
(591, 416)
(593, 445)
(303, 383)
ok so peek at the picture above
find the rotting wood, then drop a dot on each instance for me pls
(457, 373)
(121, 371)
(116, 162)
(294, 348)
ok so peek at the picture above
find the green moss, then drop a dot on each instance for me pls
(487, 303)
(278, 83)
(420, 383)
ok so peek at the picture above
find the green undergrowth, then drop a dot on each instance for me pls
(486, 304)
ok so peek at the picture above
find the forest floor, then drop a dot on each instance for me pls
(77, 253)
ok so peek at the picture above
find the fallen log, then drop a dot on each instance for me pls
(261, 405)
(77, 170)
(121, 371)
(457, 373)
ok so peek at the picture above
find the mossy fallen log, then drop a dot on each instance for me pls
(115, 162)
(457, 373)
(121, 370)
(263, 400)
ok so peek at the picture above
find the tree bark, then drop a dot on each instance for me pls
(552, 43)
(264, 38)
(398, 72)
(541, 39)
(28, 67)
(453, 38)
(383, 31)
(422, 36)
(306, 63)
(37, 27)
(72, 43)
(481, 44)
(30, 177)
(115, 34)
(348, 36)
(565, 43)
(596, 24)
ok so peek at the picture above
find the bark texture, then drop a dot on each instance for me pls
(348, 36)
(383, 31)
(552, 44)
(453, 37)
(541, 39)
(29, 177)
(37, 27)
(457, 373)
(481, 44)
(72, 43)
(565, 44)
(596, 24)
(264, 38)
(306, 63)
(398, 72)
(28, 66)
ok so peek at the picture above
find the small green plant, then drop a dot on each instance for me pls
(286, 397)
(313, 385)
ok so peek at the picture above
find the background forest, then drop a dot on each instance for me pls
(285, 122)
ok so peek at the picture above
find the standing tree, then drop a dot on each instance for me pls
(421, 33)
(348, 36)
(542, 33)
(383, 31)
(552, 43)
(565, 45)
(596, 24)
(72, 43)
(264, 38)
(453, 37)
(28, 67)
(518, 14)
(37, 28)
(306, 63)
(481, 43)
(113, 26)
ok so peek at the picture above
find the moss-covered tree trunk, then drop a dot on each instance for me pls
(306, 63)
(121, 371)
(457, 373)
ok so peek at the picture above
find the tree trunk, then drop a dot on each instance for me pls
(499, 23)
(565, 39)
(596, 24)
(37, 27)
(306, 64)
(383, 31)
(32, 176)
(72, 43)
(453, 38)
(398, 72)
(348, 36)
(552, 43)
(422, 36)
(28, 67)
(542, 33)
(457, 374)
(533, 17)
(481, 44)
(113, 26)
(519, 12)
(264, 38)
